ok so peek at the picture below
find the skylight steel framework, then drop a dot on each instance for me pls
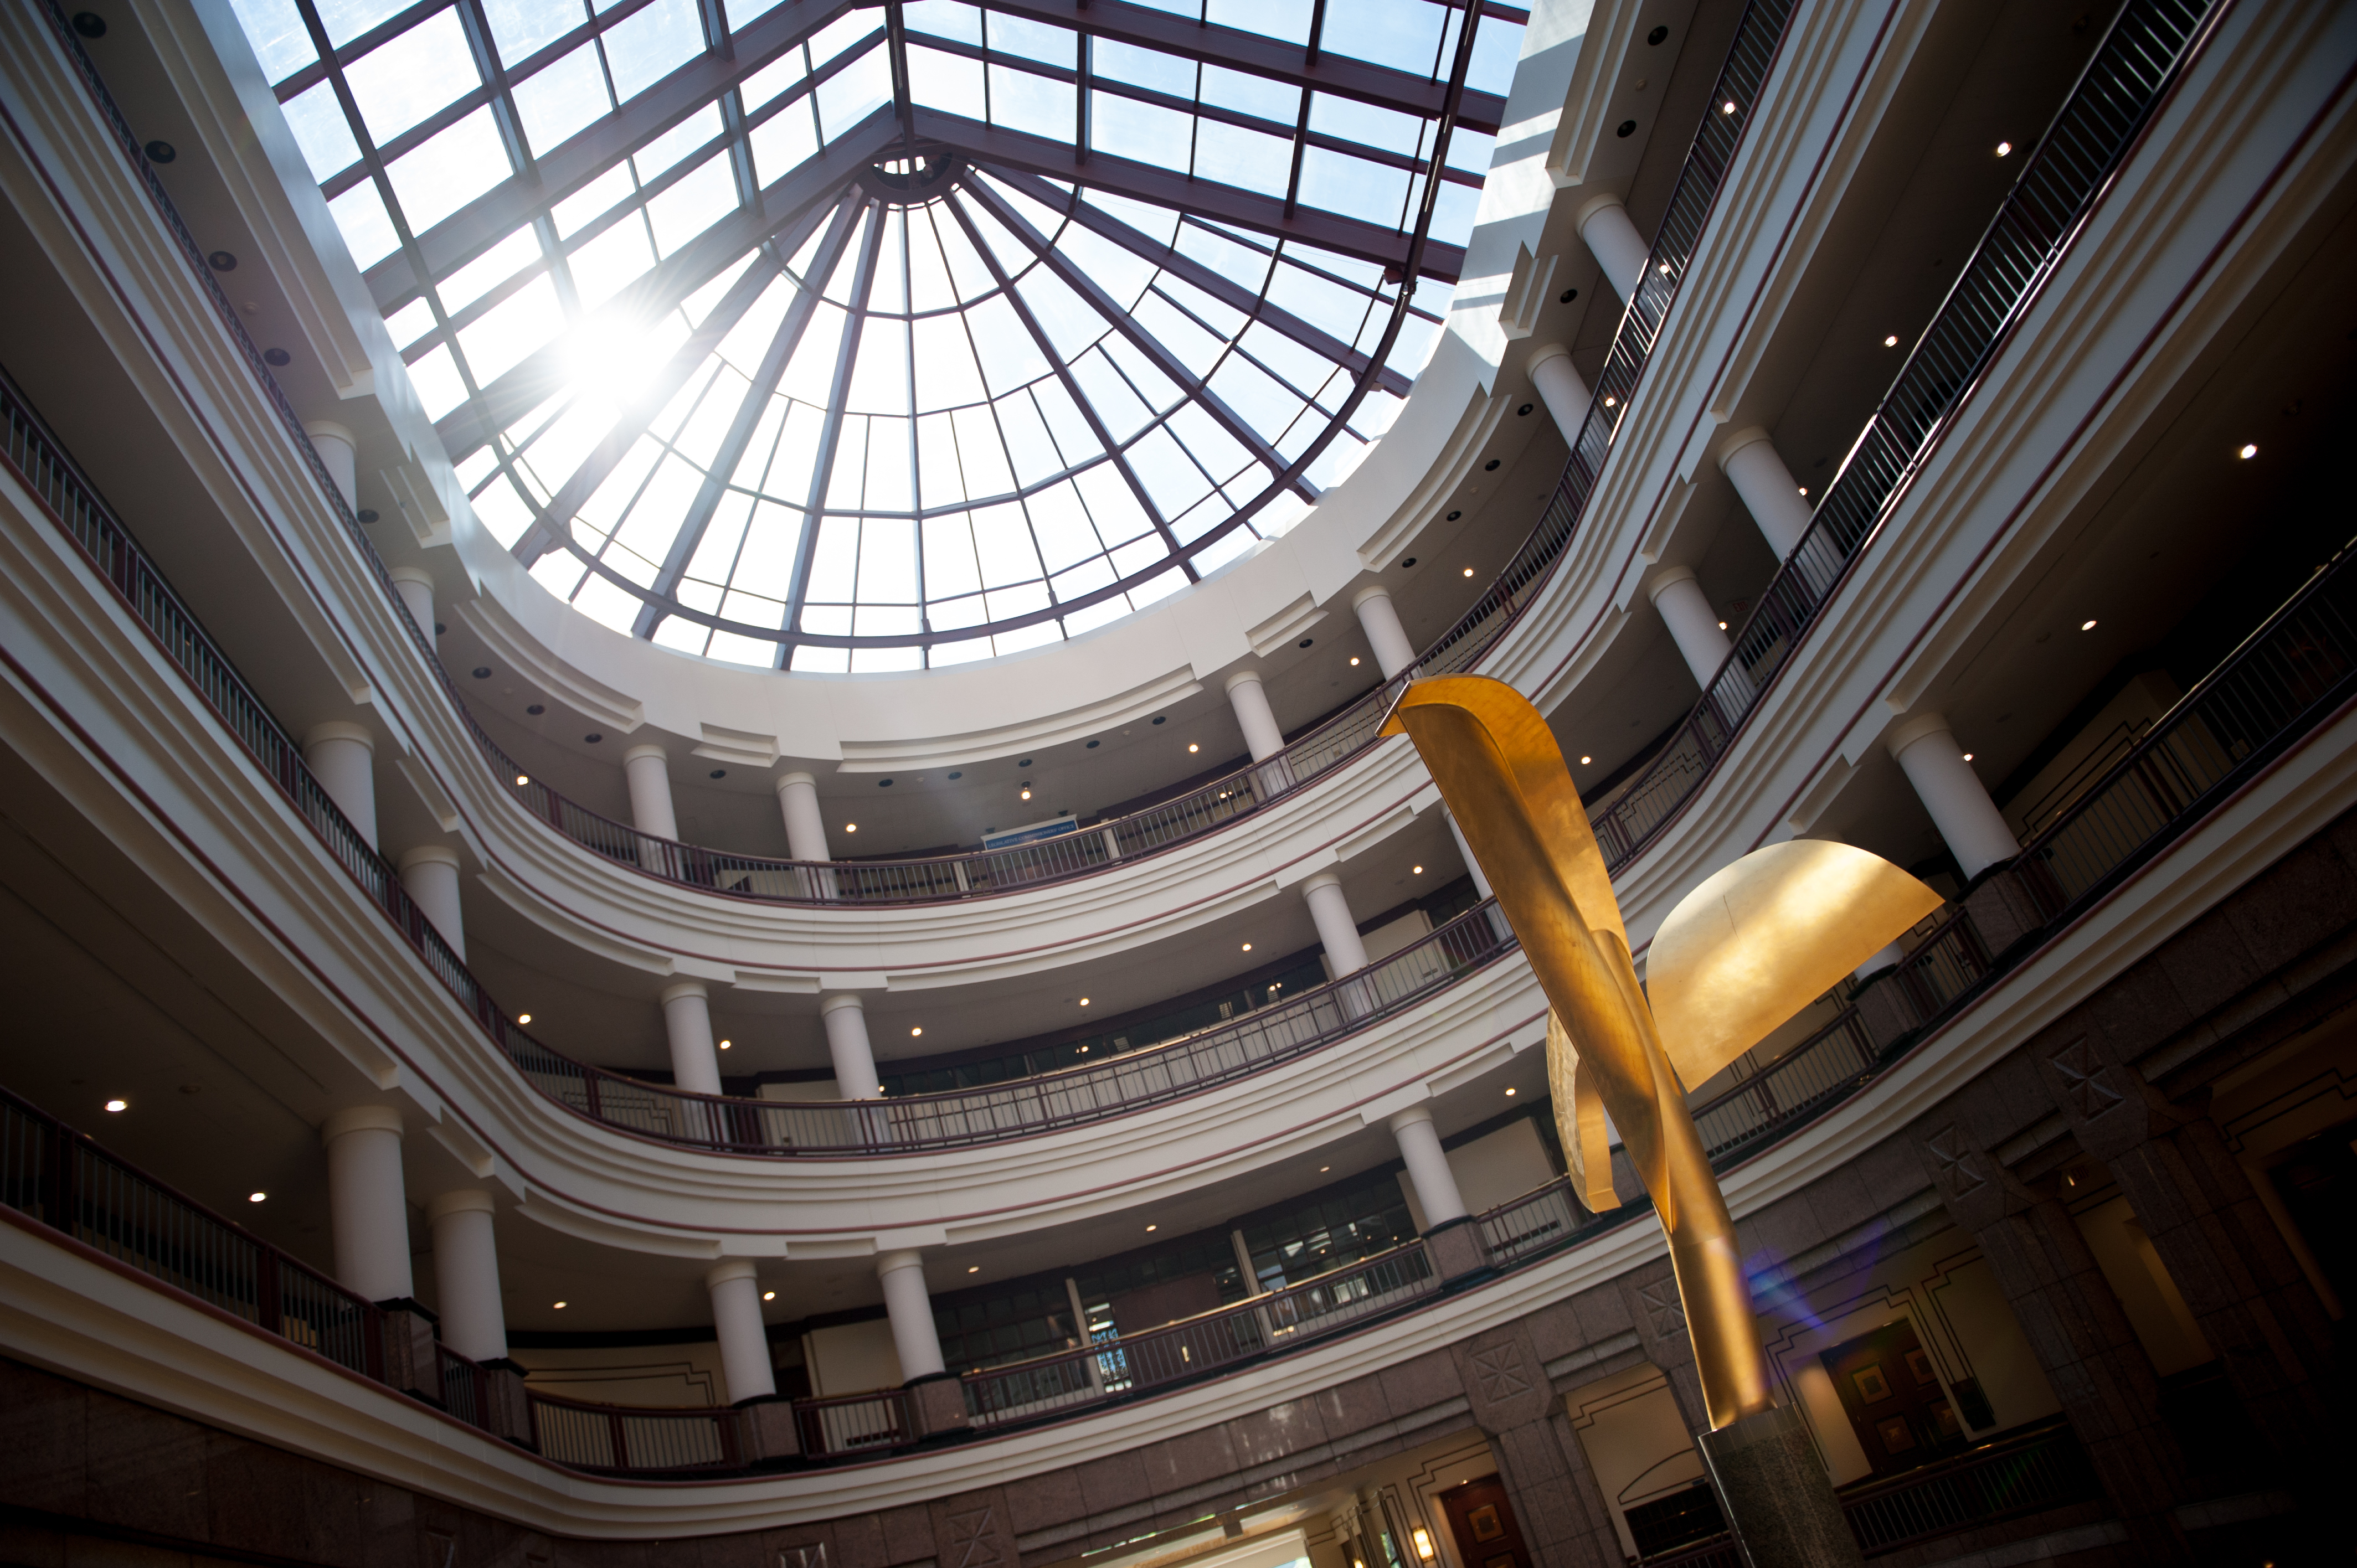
(847, 337)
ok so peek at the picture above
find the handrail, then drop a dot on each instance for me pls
(2296, 672)
(1154, 828)
(2061, 181)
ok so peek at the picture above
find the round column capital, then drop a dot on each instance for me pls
(1736, 441)
(361, 1119)
(1247, 676)
(1662, 581)
(680, 988)
(729, 1269)
(460, 1200)
(1372, 591)
(835, 1002)
(417, 574)
(1409, 1117)
(1909, 731)
(428, 855)
(1542, 354)
(329, 429)
(1595, 204)
(645, 748)
(894, 1262)
(787, 780)
(1327, 879)
(338, 729)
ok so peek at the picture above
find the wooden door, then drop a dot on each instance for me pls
(1481, 1522)
(1893, 1397)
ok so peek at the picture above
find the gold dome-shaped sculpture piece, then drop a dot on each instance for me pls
(1745, 952)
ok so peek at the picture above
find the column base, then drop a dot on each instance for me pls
(768, 1429)
(507, 1412)
(410, 1364)
(1455, 1251)
(1775, 1494)
(937, 1405)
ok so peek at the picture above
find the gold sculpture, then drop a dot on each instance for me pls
(1741, 954)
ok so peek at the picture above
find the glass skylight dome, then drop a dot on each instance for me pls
(831, 336)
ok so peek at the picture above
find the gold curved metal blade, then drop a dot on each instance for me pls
(1579, 1121)
(1533, 760)
(1764, 938)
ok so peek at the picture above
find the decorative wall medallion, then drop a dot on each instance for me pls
(2082, 1079)
(1959, 1165)
(1501, 1372)
(974, 1539)
(1662, 1306)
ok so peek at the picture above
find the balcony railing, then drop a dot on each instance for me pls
(1198, 1347)
(2290, 677)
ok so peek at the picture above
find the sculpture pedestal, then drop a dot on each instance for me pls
(1775, 1493)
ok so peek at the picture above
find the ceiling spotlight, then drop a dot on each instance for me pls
(851, 827)
(1085, 1001)
(560, 1307)
(1804, 489)
(724, 1044)
(1248, 947)
(522, 780)
(973, 1268)
(523, 1018)
(1612, 403)
(1416, 870)
(1891, 341)
(916, 1031)
(1468, 571)
(2004, 149)
(1354, 661)
(1722, 626)
(1968, 756)
(2086, 626)
(1323, 1169)
(256, 1197)
(768, 1295)
(1727, 107)
(1586, 760)
(1510, 1092)
(2247, 452)
(1191, 747)
(118, 1105)
(1154, 1228)
(1026, 792)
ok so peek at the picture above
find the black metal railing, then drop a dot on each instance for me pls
(2061, 181)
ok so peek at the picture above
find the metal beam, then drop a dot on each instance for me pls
(562, 170)
(787, 206)
(1236, 49)
(1146, 342)
(774, 360)
(1185, 268)
(847, 356)
(1221, 203)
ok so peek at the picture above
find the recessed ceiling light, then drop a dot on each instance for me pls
(1191, 747)
(560, 1307)
(725, 1044)
(916, 1031)
(1509, 1091)
(256, 1197)
(522, 780)
(1354, 661)
(1323, 1169)
(1891, 341)
(1027, 788)
(2086, 626)
(1154, 1228)
(118, 1105)
(1968, 756)
(1804, 489)
(2247, 452)
(523, 1018)
(2004, 149)
(1722, 626)
(1085, 1001)
(1727, 107)
(1416, 870)
(1586, 760)
(1468, 571)
(1248, 947)
(973, 1268)
(1612, 403)
(851, 827)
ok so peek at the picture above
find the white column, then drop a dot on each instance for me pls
(1959, 802)
(1427, 1165)
(687, 1020)
(430, 873)
(805, 824)
(1694, 624)
(1749, 461)
(650, 783)
(416, 586)
(1337, 933)
(1378, 619)
(1262, 738)
(735, 1291)
(1561, 389)
(467, 1275)
(846, 1043)
(367, 1208)
(342, 758)
(1620, 249)
(339, 448)
(1465, 853)
(912, 1311)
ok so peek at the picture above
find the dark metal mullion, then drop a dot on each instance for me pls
(1071, 388)
(916, 479)
(1187, 269)
(344, 54)
(896, 61)
(1084, 84)
(847, 355)
(1300, 145)
(410, 139)
(1122, 322)
(774, 360)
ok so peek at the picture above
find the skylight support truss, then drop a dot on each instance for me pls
(830, 440)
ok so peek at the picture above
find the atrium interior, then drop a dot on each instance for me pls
(699, 847)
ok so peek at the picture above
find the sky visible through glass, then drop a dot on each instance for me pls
(716, 318)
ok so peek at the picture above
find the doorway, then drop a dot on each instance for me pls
(1481, 1522)
(1890, 1393)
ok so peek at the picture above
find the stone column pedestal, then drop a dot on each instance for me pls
(507, 1413)
(1776, 1495)
(768, 1429)
(409, 1361)
(937, 1404)
(1456, 1250)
